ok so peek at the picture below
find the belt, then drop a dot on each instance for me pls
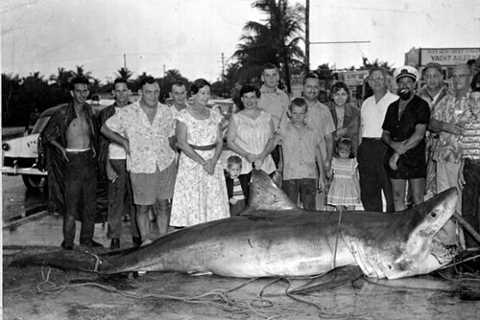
(203, 148)
(76, 150)
(371, 139)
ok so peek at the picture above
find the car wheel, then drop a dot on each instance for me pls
(34, 182)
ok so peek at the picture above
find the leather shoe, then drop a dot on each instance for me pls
(92, 244)
(115, 244)
(137, 241)
(66, 246)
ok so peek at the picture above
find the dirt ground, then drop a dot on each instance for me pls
(36, 293)
(43, 293)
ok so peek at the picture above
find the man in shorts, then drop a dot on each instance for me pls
(143, 129)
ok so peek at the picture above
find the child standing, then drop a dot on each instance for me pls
(301, 156)
(344, 191)
(235, 188)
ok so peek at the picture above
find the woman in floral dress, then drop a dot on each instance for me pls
(200, 191)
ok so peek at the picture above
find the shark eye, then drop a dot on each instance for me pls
(433, 214)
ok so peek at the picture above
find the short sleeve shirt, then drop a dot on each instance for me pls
(416, 112)
(372, 115)
(470, 140)
(275, 103)
(320, 120)
(299, 146)
(450, 110)
(149, 145)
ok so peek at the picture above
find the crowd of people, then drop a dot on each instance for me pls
(186, 163)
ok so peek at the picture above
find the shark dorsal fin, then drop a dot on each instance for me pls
(266, 195)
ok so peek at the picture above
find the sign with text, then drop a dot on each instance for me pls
(448, 56)
(353, 78)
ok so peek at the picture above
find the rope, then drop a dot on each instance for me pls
(98, 261)
(334, 264)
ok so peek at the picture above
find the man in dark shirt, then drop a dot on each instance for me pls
(73, 133)
(404, 130)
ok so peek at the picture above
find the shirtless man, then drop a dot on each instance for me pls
(72, 132)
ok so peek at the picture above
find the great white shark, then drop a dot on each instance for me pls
(274, 237)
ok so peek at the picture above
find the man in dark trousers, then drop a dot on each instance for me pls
(371, 151)
(113, 166)
(73, 132)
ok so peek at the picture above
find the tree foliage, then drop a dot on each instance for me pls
(274, 40)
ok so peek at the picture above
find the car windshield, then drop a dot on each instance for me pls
(40, 124)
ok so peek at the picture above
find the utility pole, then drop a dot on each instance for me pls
(223, 67)
(307, 36)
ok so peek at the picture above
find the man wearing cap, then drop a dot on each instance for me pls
(469, 175)
(446, 122)
(433, 91)
(371, 151)
(404, 130)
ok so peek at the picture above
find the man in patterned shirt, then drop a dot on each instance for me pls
(445, 121)
(469, 176)
(143, 129)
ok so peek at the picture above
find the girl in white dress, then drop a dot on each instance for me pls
(344, 192)
(200, 193)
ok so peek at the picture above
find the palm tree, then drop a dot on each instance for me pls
(276, 40)
(124, 73)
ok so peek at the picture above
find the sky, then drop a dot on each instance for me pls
(190, 35)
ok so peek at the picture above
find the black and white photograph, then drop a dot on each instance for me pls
(240, 159)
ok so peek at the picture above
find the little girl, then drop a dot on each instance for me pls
(344, 192)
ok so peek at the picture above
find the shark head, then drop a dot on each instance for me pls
(405, 244)
(423, 253)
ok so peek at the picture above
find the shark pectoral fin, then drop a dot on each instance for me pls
(266, 195)
(333, 279)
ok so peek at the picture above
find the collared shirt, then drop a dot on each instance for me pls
(470, 140)
(320, 119)
(299, 145)
(57, 126)
(372, 115)
(450, 110)
(149, 145)
(432, 101)
(276, 103)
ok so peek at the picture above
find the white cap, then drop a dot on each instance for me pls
(406, 71)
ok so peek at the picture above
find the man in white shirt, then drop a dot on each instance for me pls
(371, 151)
(275, 102)
(113, 166)
(143, 129)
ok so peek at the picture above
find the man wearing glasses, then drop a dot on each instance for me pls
(446, 122)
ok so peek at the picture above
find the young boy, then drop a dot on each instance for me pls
(302, 155)
(235, 189)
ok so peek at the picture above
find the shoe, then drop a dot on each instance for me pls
(66, 246)
(115, 244)
(92, 244)
(137, 241)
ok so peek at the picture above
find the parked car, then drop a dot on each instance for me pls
(20, 155)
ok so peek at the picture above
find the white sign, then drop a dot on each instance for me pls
(449, 56)
(353, 78)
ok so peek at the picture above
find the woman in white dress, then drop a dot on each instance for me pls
(250, 135)
(200, 193)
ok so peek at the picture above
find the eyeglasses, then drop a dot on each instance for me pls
(463, 75)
